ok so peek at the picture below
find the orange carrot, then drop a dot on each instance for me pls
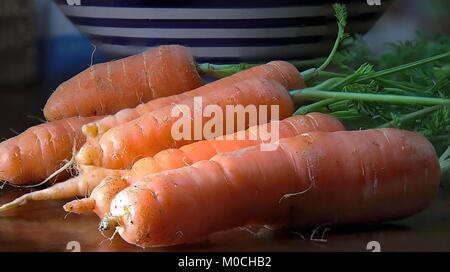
(312, 179)
(280, 71)
(123, 145)
(109, 87)
(36, 153)
(113, 181)
(101, 196)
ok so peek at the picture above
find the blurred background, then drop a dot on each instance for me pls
(40, 48)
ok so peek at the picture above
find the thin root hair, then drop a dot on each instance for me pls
(14, 131)
(299, 234)
(4, 182)
(92, 54)
(67, 215)
(285, 196)
(322, 237)
(55, 174)
(116, 230)
(33, 117)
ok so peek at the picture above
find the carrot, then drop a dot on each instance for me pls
(113, 181)
(280, 71)
(39, 151)
(109, 87)
(312, 179)
(101, 196)
(123, 145)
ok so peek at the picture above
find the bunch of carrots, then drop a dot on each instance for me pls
(112, 123)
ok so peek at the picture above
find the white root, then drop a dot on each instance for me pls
(322, 237)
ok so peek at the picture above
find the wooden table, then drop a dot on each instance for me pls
(46, 227)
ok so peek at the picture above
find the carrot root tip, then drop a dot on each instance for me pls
(80, 206)
(108, 222)
(20, 201)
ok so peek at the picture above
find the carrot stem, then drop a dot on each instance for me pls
(328, 74)
(341, 15)
(406, 86)
(299, 96)
(444, 163)
(438, 138)
(445, 155)
(406, 66)
(413, 115)
(379, 74)
(314, 106)
(224, 70)
(388, 82)
(399, 91)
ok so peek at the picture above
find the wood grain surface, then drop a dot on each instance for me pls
(46, 227)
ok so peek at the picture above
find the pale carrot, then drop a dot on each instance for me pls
(81, 185)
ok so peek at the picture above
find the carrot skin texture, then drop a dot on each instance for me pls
(33, 155)
(345, 178)
(109, 87)
(279, 71)
(113, 181)
(203, 150)
(123, 145)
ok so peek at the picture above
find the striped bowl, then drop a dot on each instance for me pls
(218, 31)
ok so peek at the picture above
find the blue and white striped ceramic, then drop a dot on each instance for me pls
(217, 30)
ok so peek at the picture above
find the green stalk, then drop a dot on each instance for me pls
(402, 67)
(307, 94)
(444, 162)
(438, 138)
(339, 105)
(345, 115)
(401, 85)
(224, 70)
(398, 91)
(341, 15)
(392, 83)
(445, 168)
(445, 155)
(413, 115)
(328, 74)
(314, 106)
(358, 78)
